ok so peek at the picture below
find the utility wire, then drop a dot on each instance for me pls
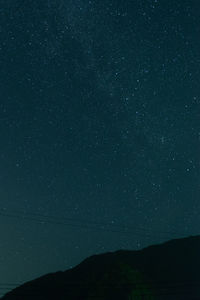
(91, 225)
(174, 289)
(150, 285)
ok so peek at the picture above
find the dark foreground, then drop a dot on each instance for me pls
(167, 271)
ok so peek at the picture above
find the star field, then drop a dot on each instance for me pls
(99, 126)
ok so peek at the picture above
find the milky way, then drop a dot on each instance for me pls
(100, 131)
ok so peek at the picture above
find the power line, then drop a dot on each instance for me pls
(85, 224)
(150, 285)
(182, 287)
(138, 292)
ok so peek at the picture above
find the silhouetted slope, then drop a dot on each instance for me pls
(167, 271)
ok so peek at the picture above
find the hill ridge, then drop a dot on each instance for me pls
(171, 266)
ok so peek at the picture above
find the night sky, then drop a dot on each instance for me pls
(99, 128)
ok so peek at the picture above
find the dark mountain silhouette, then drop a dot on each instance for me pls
(167, 271)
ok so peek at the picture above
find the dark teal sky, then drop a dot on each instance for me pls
(99, 127)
